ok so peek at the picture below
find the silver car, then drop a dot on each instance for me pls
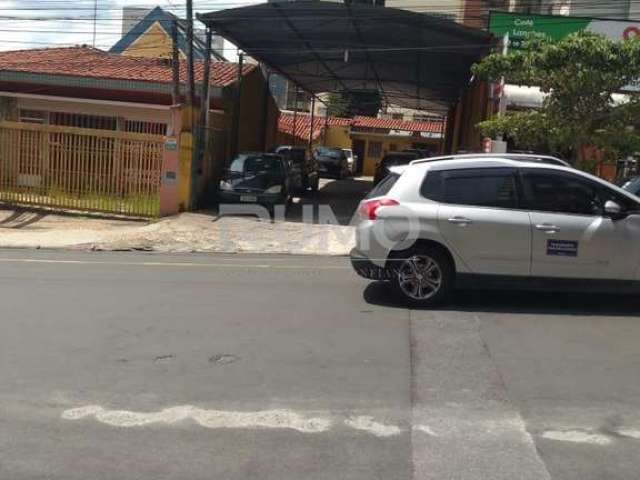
(497, 221)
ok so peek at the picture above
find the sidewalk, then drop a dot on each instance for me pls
(187, 232)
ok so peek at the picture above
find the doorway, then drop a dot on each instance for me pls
(358, 147)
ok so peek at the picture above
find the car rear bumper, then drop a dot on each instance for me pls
(366, 268)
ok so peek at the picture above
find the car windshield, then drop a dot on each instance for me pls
(330, 152)
(255, 164)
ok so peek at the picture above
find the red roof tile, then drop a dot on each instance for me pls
(303, 124)
(392, 124)
(93, 63)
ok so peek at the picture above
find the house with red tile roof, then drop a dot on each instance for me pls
(370, 138)
(87, 88)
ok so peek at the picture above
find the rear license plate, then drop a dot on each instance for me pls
(248, 198)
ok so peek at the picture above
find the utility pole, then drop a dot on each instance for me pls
(190, 73)
(200, 130)
(313, 112)
(235, 127)
(175, 63)
(295, 116)
(204, 92)
(95, 21)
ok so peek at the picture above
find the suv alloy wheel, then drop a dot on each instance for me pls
(423, 276)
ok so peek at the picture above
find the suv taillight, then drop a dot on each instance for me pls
(369, 208)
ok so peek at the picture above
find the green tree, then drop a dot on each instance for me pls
(579, 75)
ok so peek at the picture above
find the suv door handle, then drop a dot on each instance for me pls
(462, 221)
(547, 227)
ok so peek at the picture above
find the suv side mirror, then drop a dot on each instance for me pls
(613, 210)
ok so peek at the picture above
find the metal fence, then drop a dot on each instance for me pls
(80, 169)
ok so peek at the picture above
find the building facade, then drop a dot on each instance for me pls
(106, 97)
(369, 138)
(148, 33)
(619, 9)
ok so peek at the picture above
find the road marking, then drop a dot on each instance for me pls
(630, 433)
(282, 419)
(175, 264)
(577, 436)
(269, 419)
(368, 424)
(425, 429)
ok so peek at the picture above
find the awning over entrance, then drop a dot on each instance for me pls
(415, 60)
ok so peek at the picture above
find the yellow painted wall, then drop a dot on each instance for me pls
(250, 126)
(338, 136)
(155, 42)
(185, 142)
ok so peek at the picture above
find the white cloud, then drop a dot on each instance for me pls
(27, 24)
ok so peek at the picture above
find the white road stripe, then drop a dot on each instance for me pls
(577, 436)
(368, 424)
(268, 419)
(206, 418)
(629, 433)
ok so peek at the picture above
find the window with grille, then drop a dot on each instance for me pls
(33, 116)
(79, 120)
(151, 128)
(374, 149)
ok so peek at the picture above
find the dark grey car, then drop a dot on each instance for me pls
(260, 178)
(333, 162)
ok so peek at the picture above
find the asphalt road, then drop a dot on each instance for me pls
(138, 366)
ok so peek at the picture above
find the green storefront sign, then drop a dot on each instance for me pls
(522, 27)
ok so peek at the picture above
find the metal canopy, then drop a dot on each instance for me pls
(415, 60)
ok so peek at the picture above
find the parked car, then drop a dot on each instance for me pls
(332, 162)
(486, 221)
(351, 160)
(304, 171)
(255, 177)
(391, 160)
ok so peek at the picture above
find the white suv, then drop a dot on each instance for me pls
(497, 221)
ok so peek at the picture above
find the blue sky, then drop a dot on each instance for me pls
(41, 23)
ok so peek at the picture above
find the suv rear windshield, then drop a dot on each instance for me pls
(330, 152)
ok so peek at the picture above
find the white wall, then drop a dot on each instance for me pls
(452, 8)
(608, 9)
